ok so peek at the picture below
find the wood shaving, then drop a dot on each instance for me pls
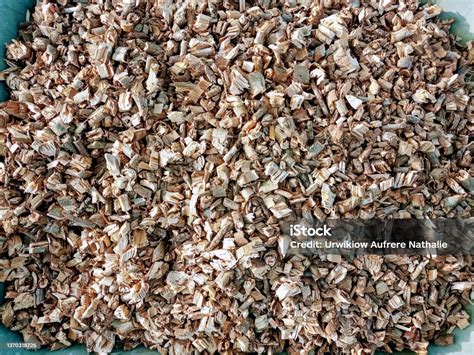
(150, 149)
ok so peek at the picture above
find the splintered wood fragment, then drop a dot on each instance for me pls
(247, 177)
(327, 196)
(124, 202)
(401, 34)
(354, 101)
(113, 164)
(301, 73)
(39, 247)
(257, 83)
(119, 54)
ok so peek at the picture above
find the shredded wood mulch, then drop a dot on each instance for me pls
(150, 149)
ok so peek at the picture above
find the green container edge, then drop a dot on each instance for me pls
(12, 15)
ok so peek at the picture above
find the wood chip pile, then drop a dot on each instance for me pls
(151, 148)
